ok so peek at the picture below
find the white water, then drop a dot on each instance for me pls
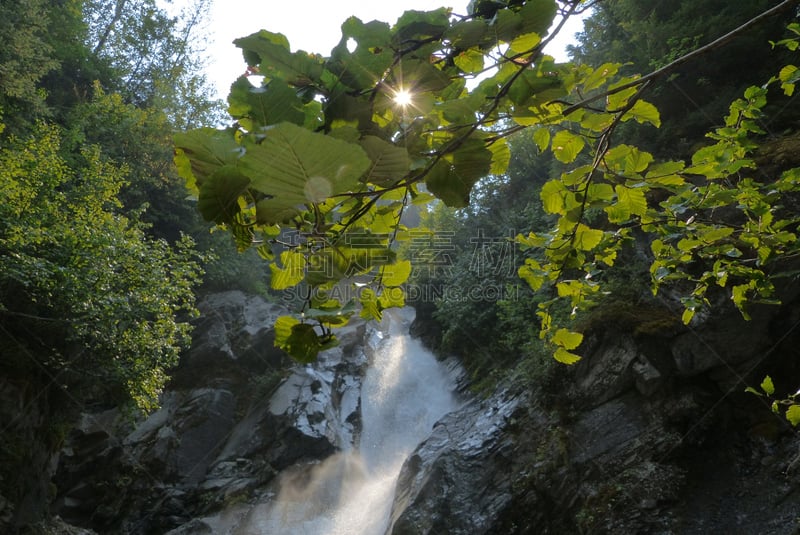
(405, 392)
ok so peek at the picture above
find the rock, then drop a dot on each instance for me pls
(455, 482)
(218, 435)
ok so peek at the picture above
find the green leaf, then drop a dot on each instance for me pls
(270, 51)
(525, 42)
(292, 273)
(793, 415)
(452, 182)
(370, 309)
(501, 156)
(643, 112)
(389, 162)
(631, 200)
(566, 146)
(506, 25)
(587, 238)
(552, 195)
(396, 274)
(469, 61)
(767, 386)
(218, 198)
(467, 34)
(541, 136)
(201, 152)
(373, 55)
(417, 25)
(537, 16)
(256, 107)
(418, 76)
(565, 357)
(299, 340)
(532, 273)
(531, 87)
(295, 166)
(600, 76)
(567, 339)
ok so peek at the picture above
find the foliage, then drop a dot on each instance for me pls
(26, 56)
(788, 405)
(464, 283)
(155, 56)
(643, 35)
(323, 148)
(95, 298)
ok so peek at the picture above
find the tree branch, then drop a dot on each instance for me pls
(783, 6)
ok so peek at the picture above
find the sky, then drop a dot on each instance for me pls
(310, 25)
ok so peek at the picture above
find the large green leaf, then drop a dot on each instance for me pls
(414, 26)
(373, 55)
(566, 146)
(389, 162)
(537, 16)
(418, 76)
(219, 195)
(201, 152)
(294, 166)
(468, 33)
(530, 84)
(452, 181)
(255, 107)
(270, 51)
(299, 340)
(292, 273)
(567, 339)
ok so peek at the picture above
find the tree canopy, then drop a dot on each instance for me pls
(97, 273)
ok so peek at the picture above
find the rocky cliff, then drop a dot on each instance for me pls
(217, 438)
(650, 433)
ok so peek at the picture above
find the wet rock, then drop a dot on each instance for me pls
(469, 449)
(219, 436)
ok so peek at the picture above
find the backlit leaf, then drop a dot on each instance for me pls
(389, 162)
(396, 274)
(793, 414)
(631, 199)
(292, 272)
(643, 112)
(299, 340)
(567, 339)
(767, 386)
(296, 166)
(587, 238)
(552, 195)
(565, 357)
(566, 146)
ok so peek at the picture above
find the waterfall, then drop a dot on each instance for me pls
(404, 393)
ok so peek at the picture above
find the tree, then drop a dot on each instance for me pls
(335, 148)
(26, 57)
(85, 295)
(156, 56)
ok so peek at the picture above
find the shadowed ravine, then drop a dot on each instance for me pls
(405, 392)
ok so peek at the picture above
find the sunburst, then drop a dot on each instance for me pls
(403, 97)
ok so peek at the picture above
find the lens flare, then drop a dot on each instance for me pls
(402, 97)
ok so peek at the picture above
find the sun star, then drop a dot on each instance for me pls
(402, 97)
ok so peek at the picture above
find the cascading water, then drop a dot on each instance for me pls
(405, 392)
